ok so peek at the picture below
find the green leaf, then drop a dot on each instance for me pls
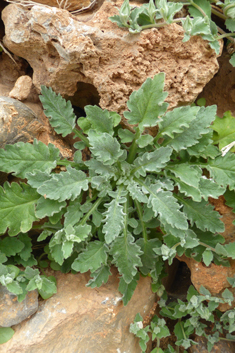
(204, 5)
(48, 287)
(136, 191)
(14, 288)
(207, 257)
(125, 135)
(64, 186)
(126, 256)
(232, 60)
(21, 158)
(105, 147)
(92, 258)
(60, 112)
(152, 161)
(127, 289)
(144, 140)
(146, 104)
(209, 188)
(203, 215)
(100, 120)
(114, 218)
(175, 121)
(17, 208)
(225, 130)
(6, 334)
(47, 207)
(73, 214)
(99, 277)
(25, 253)
(149, 257)
(11, 246)
(197, 128)
(163, 203)
(222, 169)
(230, 248)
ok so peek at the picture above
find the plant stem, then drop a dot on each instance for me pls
(218, 14)
(161, 24)
(72, 164)
(133, 148)
(226, 35)
(140, 215)
(198, 8)
(89, 213)
(82, 137)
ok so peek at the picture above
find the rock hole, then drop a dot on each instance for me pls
(178, 281)
(86, 94)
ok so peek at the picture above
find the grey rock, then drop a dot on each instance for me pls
(11, 311)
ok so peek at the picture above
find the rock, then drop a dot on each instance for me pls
(83, 320)
(214, 277)
(17, 123)
(219, 347)
(11, 311)
(22, 88)
(64, 51)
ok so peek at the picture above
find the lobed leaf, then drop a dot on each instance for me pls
(114, 218)
(92, 258)
(163, 203)
(99, 277)
(222, 169)
(146, 104)
(21, 158)
(152, 161)
(105, 147)
(47, 207)
(126, 256)
(60, 112)
(175, 121)
(17, 208)
(127, 289)
(203, 215)
(64, 186)
(197, 128)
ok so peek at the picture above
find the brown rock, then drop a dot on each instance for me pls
(22, 88)
(83, 320)
(11, 311)
(219, 347)
(64, 52)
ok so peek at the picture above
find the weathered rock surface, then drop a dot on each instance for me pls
(22, 88)
(64, 51)
(11, 311)
(19, 123)
(219, 347)
(214, 277)
(83, 320)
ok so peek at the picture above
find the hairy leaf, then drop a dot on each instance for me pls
(224, 130)
(21, 158)
(146, 104)
(126, 256)
(152, 161)
(164, 204)
(99, 277)
(92, 258)
(11, 246)
(114, 218)
(60, 112)
(149, 257)
(222, 169)
(198, 127)
(17, 208)
(175, 121)
(127, 289)
(47, 207)
(203, 215)
(105, 147)
(64, 186)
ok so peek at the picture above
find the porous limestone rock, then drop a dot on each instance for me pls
(11, 311)
(83, 320)
(219, 347)
(63, 51)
